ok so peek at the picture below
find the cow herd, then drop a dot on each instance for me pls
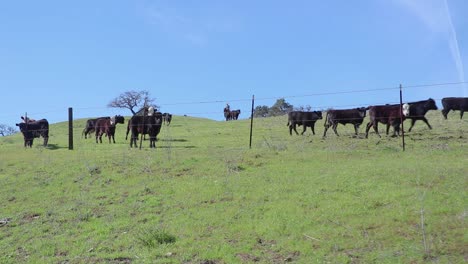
(389, 115)
(149, 122)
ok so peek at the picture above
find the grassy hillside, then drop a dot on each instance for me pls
(202, 196)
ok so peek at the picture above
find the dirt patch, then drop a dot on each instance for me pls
(245, 257)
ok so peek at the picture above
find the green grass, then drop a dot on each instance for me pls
(202, 196)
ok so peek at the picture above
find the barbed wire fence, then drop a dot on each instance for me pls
(167, 135)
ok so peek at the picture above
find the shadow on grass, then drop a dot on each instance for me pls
(54, 147)
(173, 140)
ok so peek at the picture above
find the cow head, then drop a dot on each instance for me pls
(118, 119)
(319, 114)
(362, 111)
(22, 127)
(406, 109)
(431, 105)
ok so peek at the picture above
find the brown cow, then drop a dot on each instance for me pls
(107, 126)
(391, 115)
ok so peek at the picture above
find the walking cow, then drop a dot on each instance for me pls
(306, 119)
(347, 116)
(417, 111)
(454, 103)
(391, 115)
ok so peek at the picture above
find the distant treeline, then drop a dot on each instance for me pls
(280, 107)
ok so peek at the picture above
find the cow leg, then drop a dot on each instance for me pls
(294, 127)
(427, 122)
(445, 112)
(413, 121)
(367, 128)
(325, 131)
(334, 129)
(46, 141)
(388, 128)
(304, 129)
(313, 128)
(372, 124)
(461, 114)
(356, 127)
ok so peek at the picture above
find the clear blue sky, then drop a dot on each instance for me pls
(82, 54)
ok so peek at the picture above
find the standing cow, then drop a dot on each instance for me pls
(167, 118)
(391, 115)
(107, 126)
(347, 116)
(147, 124)
(91, 125)
(305, 119)
(34, 129)
(454, 103)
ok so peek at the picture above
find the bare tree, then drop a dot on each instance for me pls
(6, 130)
(132, 100)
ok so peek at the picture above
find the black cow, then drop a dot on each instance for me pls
(391, 115)
(34, 129)
(235, 114)
(90, 126)
(454, 103)
(417, 110)
(167, 118)
(147, 124)
(107, 126)
(306, 119)
(347, 116)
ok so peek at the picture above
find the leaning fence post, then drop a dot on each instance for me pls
(401, 118)
(70, 128)
(251, 121)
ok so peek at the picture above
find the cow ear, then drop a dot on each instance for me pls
(17, 124)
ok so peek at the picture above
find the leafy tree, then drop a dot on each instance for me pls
(132, 100)
(281, 107)
(261, 111)
(6, 130)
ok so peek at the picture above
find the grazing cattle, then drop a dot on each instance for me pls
(150, 124)
(90, 126)
(167, 118)
(107, 126)
(34, 129)
(391, 115)
(306, 119)
(454, 103)
(347, 116)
